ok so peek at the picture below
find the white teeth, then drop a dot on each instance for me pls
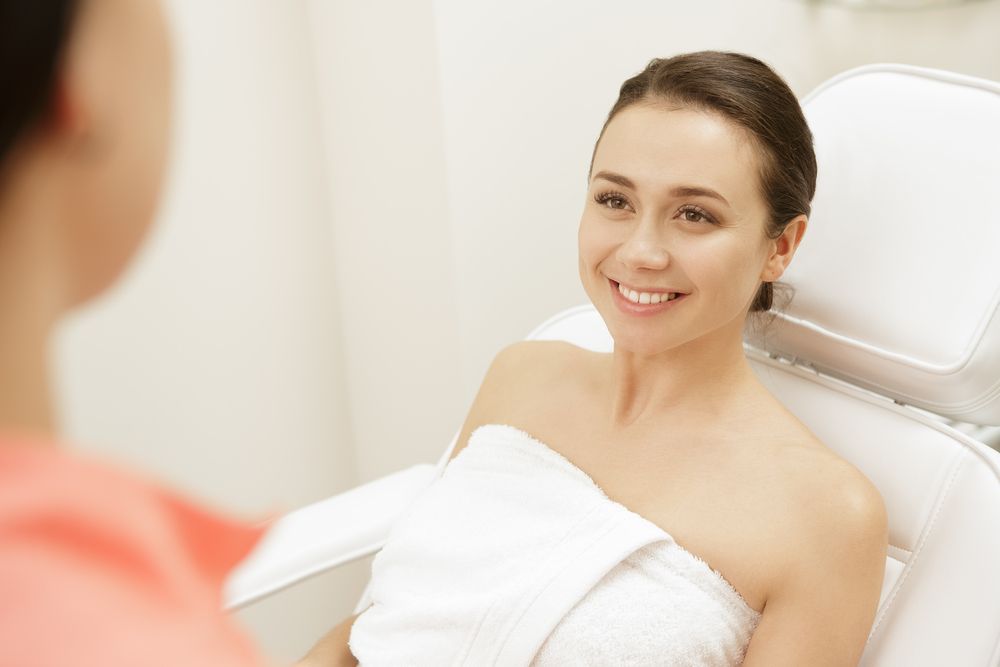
(645, 297)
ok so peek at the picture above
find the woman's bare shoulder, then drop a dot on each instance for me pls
(518, 374)
(837, 534)
(814, 470)
(536, 356)
(822, 490)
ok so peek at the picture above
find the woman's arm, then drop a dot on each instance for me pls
(332, 650)
(821, 609)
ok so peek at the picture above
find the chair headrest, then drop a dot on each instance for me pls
(897, 278)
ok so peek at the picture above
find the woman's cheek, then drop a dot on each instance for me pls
(595, 242)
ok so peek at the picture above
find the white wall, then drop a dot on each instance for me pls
(394, 252)
(368, 200)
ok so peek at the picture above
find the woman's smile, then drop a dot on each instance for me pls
(642, 304)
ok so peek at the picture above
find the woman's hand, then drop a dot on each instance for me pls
(332, 650)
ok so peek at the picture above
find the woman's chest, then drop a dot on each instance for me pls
(726, 510)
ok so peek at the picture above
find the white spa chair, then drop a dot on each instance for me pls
(889, 352)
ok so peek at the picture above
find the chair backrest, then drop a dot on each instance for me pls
(893, 330)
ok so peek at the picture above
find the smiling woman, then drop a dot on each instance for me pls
(767, 116)
(686, 133)
(654, 505)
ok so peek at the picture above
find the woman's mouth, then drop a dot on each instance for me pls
(635, 302)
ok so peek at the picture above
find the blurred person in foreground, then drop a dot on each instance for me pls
(97, 566)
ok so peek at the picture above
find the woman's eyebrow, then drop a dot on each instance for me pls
(678, 191)
(615, 178)
(694, 190)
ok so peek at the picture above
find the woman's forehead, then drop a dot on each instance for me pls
(661, 147)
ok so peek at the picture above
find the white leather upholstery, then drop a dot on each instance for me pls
(898, 275)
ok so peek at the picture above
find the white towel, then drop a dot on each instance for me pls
(514, 556)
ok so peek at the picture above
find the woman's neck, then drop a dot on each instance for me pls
(25, 401)
(706, 380)
(30, 304)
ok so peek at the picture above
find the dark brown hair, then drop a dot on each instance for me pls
(32, 36)
(749, 93)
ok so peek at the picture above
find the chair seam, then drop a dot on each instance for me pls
(919, 548)
(904, 554)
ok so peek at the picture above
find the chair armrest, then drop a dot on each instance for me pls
(326, 534)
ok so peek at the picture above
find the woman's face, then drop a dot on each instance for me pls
(118, 83)
(673, 206)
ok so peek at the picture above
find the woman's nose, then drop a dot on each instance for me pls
(644, 248)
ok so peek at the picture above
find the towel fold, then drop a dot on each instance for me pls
(514, 556)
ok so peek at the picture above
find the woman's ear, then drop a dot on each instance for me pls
(783, 249)
(69, 120)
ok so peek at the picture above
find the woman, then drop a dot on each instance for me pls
(771, 548)
(97, 566)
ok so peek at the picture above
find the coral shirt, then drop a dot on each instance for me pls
(98, 567)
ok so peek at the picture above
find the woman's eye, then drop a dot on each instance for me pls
(696, 215)
(612, 200)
